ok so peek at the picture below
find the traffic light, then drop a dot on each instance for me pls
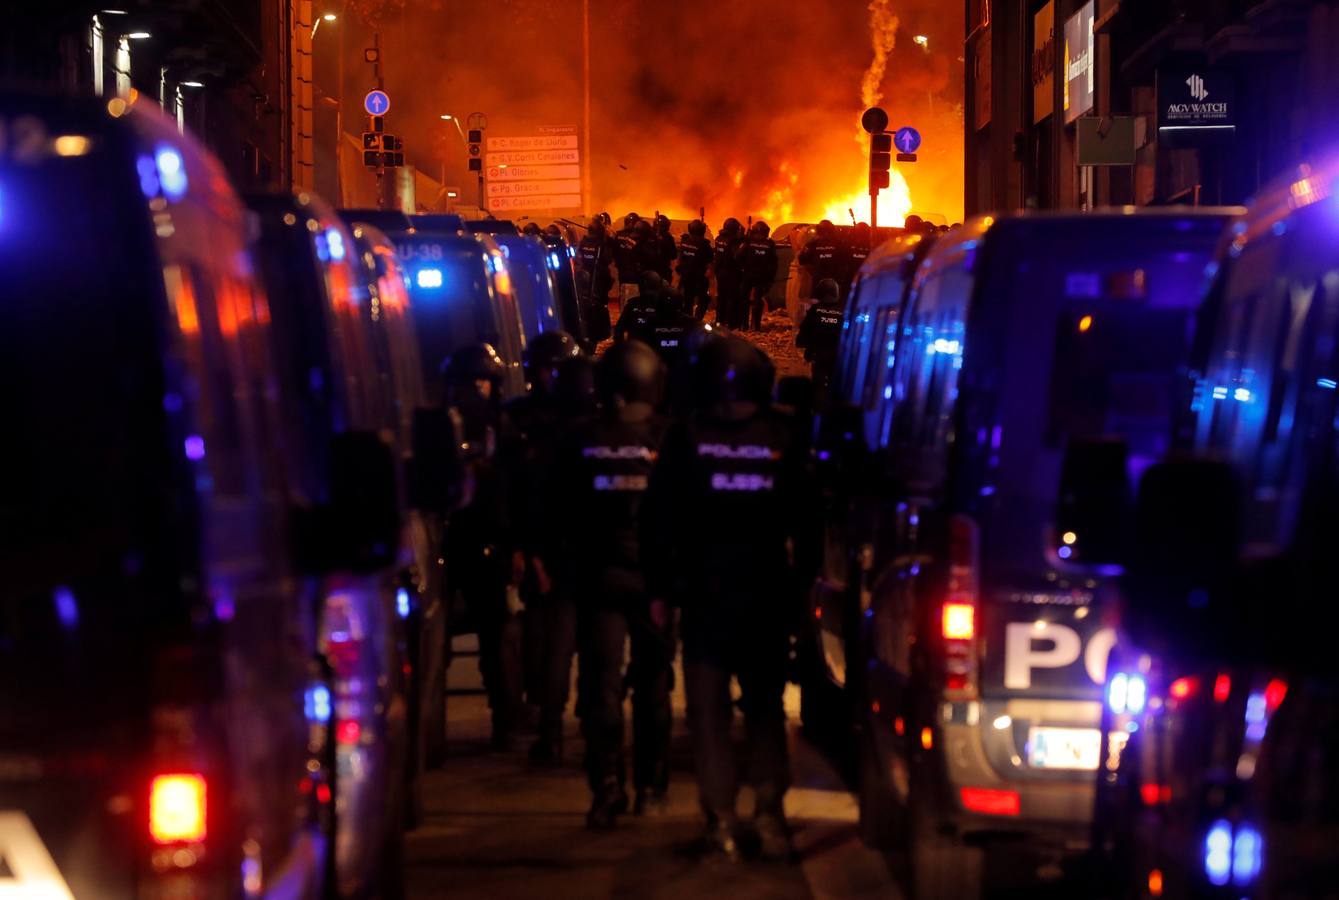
(880, 160)
(372, 158)
(378, 123)
(476, 135)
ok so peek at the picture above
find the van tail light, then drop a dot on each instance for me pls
(178, 806)
(1184, 688)
(990, 801)
(958, 616)
(1222, 687)
(1275, 691)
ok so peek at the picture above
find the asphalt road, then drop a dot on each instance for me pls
(493, 828)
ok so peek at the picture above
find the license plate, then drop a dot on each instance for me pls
(1064, 748)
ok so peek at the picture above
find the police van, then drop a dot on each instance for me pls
(1031, 381)
(1221, 739)
(163, 728)
(534, 269)
(462, 291)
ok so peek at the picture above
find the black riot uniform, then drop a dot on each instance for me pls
(626, 257)
(726, 266)
(666, 249)
(824, 256)
(480, 538)
(758, 264)
(856, 254)
(729, 495)
(596, 256)
(604, 472)
(819, 336)
(694, 259)
(529, 453)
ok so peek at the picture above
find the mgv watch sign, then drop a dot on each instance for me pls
(1201, 100)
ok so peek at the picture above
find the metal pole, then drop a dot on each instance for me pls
(585, 89)
(481, 193)
(873, 210)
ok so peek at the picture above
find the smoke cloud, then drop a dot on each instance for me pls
(743, 108)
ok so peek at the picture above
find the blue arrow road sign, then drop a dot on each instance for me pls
(907, 140)
(377, 103)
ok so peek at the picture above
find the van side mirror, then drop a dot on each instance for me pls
(1093, 506)
(1185, 557)
(358, 529)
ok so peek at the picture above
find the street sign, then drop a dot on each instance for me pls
(476, 120)
(377, 103)
(533, 173)
(534, 201)
(533, 157)
(532, 188)
(906, 157)
(534, 142)
(907, 139)
(874, 120)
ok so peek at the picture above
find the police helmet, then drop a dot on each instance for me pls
(474, 362)
(827, 290)
(913, 223)
(643, 229)
(825, 228)
(597, 228)
(552, 230)
(650, 284)
(761, 229)
(631, 219)
(629, 372)
(697, 228)
(731, 226)
(531, 229)
(663, 223)
(544, 355)
(732, 371)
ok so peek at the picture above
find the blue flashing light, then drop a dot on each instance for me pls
(402, 603)
(1257, 716)
(67, 608)
(335, 240)
(148, 176)
(1126, 693)
(1218, 853)
(171, 171)
(195, 447)
(888, 392)
(316, 704)
(555, 261)
(1220, 392)
(1241, 395)
(428, 278)
(1328, 384)
(1064, 552)
(1247, 855)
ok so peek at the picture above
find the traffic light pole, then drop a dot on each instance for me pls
(873, 208)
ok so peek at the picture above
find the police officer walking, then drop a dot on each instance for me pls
(758, 264)
(729, 495)
(694, 259)
(530, 454)
(604, 473)
(479, 536)
(595, 255)
(819, 335)
(726, 266)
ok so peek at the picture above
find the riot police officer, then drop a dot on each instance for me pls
(726, 266)
(666, 249)
(823, 256)
(638, 316)
(694, 259)
(857, 251)
(529, 451)
(729, 495)
(480, 538)
(604, 472)
(758, 264)
(627, 259)
(819, 335)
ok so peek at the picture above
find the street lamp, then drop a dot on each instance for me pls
(456, 122)
(922, 41)
(137, 36)
(328, 17)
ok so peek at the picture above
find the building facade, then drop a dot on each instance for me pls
(1187, 101)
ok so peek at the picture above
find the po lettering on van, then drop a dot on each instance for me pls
(1051, 645)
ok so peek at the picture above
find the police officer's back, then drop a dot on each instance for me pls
(726, 266)
(824, 256)
(665, 247)
(820, 334)
(758, 266)
(695, 256)
(596, 256)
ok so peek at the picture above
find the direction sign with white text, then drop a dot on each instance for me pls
(532, 188)
(533, 157)
(533, 173)
(542, 201)
(534, 142)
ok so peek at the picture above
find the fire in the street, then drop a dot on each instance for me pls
(894, 204)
